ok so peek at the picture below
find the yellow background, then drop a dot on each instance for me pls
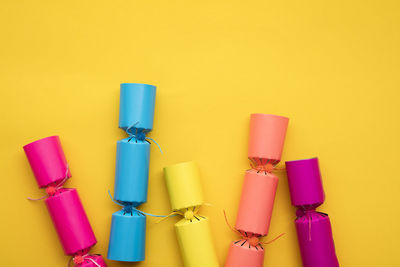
(331, 66)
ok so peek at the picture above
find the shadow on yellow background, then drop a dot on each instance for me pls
(332, 67)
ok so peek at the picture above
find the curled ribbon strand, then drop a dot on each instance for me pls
(140, 135)
(267, 168)
(308, 214)
(188, 214)
(195, 212)
(50, 190)
(253, 239)
(81, 258)
(172, 214)
(134, 208)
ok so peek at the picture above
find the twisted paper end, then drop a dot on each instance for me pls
(81, 258)
(129, 207)
(266, 166)
(140, 134)
(252, 238)
(52, 189)
(308, 213)
(190, 214)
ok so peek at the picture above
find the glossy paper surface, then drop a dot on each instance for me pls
(70, 221)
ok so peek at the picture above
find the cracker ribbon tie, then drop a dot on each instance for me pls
(128, 208)
(267, 167)
(140, 134)
(253, 239)
(51, 190)
(79, 259)
(188, 213)
(307, 212)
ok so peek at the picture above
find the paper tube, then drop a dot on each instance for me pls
(70, 221)
(127, 237)
(132, 171)
(313, 228)
(256, 202)
(136, 107)
(267, 135)
(242, 255)
(195, 243)
(305, 183)
(184, 185)
(47, 160)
